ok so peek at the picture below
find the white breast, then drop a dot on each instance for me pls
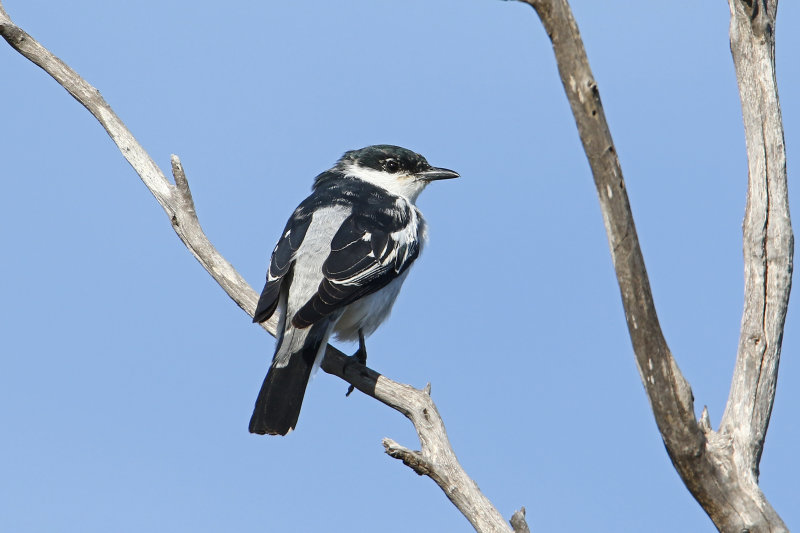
(369, 312)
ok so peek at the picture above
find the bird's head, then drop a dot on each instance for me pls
(398, 170)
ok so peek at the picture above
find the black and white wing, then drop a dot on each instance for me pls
(281, 263)
(366, 254)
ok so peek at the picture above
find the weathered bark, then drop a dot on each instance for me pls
(437, 459)
(519, 523)
(768, 239)
(720, 468)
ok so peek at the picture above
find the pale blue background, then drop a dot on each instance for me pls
(127, 376)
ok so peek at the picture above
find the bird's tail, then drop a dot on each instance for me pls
(281, 396)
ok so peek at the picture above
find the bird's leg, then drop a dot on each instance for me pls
(360, 356)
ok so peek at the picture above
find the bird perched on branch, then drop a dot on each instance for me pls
(338, 268)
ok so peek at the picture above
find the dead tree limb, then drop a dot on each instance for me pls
(720, 468)
(768, 239)
(437, 459)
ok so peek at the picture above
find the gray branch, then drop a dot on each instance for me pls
(437, 458)
(768, 239)
(720, 469)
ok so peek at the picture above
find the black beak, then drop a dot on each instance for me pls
(435, 173)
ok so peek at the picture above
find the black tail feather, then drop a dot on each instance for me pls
(281, 397)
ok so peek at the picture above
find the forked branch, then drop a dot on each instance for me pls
(436, 459)
(720, 469)
(437, 455)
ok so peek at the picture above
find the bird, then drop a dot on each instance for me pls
(338, 268)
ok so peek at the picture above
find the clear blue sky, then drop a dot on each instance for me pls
(127, 376)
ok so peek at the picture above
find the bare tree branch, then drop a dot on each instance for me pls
(669, 393)
(176, 201)
(768, 239)
(719, 468)
(437, 458)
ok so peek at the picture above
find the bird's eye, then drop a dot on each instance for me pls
(392, 166)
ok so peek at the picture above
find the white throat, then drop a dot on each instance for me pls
(398, 184)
